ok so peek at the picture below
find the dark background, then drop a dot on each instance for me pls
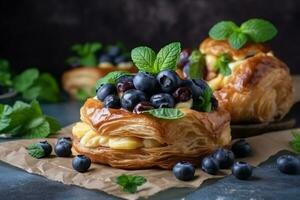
(39, 32)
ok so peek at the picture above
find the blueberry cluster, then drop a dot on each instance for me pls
(145, 91)
(184, 63)
(114, 56)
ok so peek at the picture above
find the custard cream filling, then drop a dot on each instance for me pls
(90, 138)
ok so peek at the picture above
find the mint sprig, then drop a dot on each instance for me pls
(130, 183)
(5, 74)
(255, 30)
(197, 63)
(222, 64)
(111, 77)
(26, 120)
(36, 151)
(295, 143)
(166, 113)
(204, 103)
(146, 60)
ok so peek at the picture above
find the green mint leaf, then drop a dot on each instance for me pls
(167, 57)
(24, 80)
(259, 30)
(53, 123)
(166, 113)
(143, 58)
(41, 131)
(222, 30)
(49, 89)
(36, 151)
(31, 93)
(295, 143)
(130, 183)
(237, 39)
(86, 54)
(204, 103)
(197, 63)
(111, 77)
(81, 95)
(222, 64)
(5, 111)
(4, 65)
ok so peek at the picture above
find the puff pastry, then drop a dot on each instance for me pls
(260, 87)
(126, 140)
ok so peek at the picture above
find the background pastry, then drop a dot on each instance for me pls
(151, 119)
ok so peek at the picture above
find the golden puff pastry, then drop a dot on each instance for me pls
(259, 88)
(126, 140)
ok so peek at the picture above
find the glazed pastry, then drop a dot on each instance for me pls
(145, 120)
(259, 88)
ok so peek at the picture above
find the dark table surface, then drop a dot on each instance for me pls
(267, 182)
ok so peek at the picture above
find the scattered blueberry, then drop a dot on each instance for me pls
(224, 157)
(168, 80)
(142, 106)
(184, 171)
(162, 100)
(145, 82)
(242, 170)
(112, 101)
(46, 147)
(63, 148)
(288, 164)
(105, 59)
(210, 165)
(131, 98)
(182, 94)
(81, 163)
(241, 148)
(66, 140)
(106, 90)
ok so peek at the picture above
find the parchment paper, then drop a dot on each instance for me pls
(102, 177)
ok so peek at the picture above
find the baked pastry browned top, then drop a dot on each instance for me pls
(134, 141)
(259, 88)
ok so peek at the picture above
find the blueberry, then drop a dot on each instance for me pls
(184, 57)
(112, 101)
(81, 163)
(162, 100)
(125, 83)
(63, 148)
(210, 165)
(224, 157)
(145, 82)
(131, 98)
(66, 140)
(186, 70)
(168, 80)
(288, 164)
(242, 170)
(241, 148)
(182, 94)
(197, 86)
(184, 171)
(113, 51)
(106, 90)
(142, 106)
(46, 147)
(121, 59)
(104, 59)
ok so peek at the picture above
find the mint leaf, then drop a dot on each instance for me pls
(166, 113)
(86, 54)
(167, 57)
(5, 75)
(130, 183)
(143, 58)
(204, 103)
(41, 131)
(196, 65)
(222, 30)
(24, 80)
(5, 111)
(49, 89)
(259, 30)
(53, 123)
(295, 143)
(237, 39)
(36, 151)
(222, 64)
(111, 77)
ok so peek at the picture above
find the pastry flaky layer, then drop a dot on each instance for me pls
(126, 140)
(260, 87)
